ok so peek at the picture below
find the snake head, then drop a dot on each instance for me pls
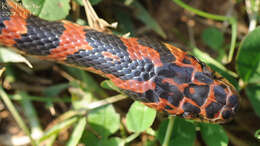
(195, 93)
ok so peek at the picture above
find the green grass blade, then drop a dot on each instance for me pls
(77, 132)
(31, 115)
(16, 115)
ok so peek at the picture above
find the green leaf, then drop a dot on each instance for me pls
(104, 120)
(139, 117)
(213, 135)
(93, 2)
(183, 133)
(81, 21)
(257, 134)
(142, 14)
(108, 84)
(90, 139)
(54, 90)
(77, 132)
(253, 93)
(213, 37)
(55, 9)
(34, 6)
(7, 55)
(48, 9)
(115, 141)
(248, 67)
(248, 58)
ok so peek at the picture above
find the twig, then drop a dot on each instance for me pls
(89, 107)
(106, 101)
(94, 86)
(94, 21)
(191, 36)
(252, 10)
(13, 140)
(91, 14)
(58, 128)
(37, 79)
(25, 87)
(40, 99)
(228, 14)
(65, 116)
(2, 70)
(65, 74)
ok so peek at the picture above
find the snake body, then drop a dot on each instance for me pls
(160, 75)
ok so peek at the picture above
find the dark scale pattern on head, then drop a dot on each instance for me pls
(169, 92)
(200, 93)
(187, 107)
(41, 38)
(165, 55)
(203, 78)
(233, 102)
(220, 94)
(212, 109)
(179, 74)
(4, 13)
